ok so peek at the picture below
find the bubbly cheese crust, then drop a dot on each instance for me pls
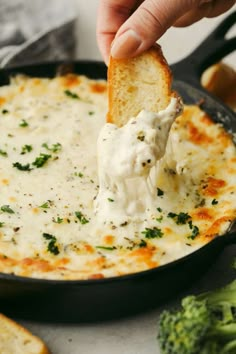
(48, 185)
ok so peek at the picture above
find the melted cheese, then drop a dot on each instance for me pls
(49, 182)
(127, 159)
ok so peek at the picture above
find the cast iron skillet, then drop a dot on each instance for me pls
(100, 299)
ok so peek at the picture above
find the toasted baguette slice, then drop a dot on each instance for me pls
(134, 84)
(220, 79)
(15, 339)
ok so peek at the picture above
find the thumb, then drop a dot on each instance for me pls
(148, 23)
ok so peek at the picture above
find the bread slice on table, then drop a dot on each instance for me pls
(15, 339)
(134, 84)
(220, 79)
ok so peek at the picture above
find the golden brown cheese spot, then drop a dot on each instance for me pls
(98, 87)
(203, 214)
(70, 80)
(5, 181)
(109, 240)
(214, 229)
(197, 136)
(96, 276)
(205, 119)
(224, 138)
(2, 100)
(35, 210)
(212, 186)
(144, 255)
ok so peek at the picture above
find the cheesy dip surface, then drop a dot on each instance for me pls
(50, 219)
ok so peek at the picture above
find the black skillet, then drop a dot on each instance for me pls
(100, 299)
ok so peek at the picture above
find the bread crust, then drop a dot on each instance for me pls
(134, 84)
(11, 331)
(220, 79)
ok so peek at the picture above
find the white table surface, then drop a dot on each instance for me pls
(137, 334)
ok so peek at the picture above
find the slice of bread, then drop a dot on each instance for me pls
(134, 84)
(15, 339)
(220, 79)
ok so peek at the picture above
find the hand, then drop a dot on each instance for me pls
(132, 26)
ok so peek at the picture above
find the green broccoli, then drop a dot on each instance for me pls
(205, 324)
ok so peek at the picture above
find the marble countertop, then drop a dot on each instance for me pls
(136, 334)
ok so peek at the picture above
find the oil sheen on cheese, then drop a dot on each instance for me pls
(63, 218)
(127, 164)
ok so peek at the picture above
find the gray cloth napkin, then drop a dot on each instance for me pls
(36, 30)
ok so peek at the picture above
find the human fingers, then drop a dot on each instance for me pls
(111, 15)
(149, 22)
(209, 9)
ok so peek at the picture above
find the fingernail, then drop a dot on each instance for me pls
(126, 44)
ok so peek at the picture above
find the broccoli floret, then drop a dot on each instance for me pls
(205, 324)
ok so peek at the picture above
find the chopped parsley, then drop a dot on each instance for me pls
(159, 219)
(110, 200)
(26, 148)
(52, 246)
(41, 160)
(54, 148)
(7, 209)
(195, 232)
(159, 192)
(23, 123)
(152, 233)
(81, 217)
(106, 248)
(214, 202)
(159, 209)
(71, 94)
(58, 220)
(21, 167)
(5, 111)
(45, 205)
(180, 218)
(78, 174)
(3, 153)
(91, 113)
(2, 224)
(143, 243)
(141, 137)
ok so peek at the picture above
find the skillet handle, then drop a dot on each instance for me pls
(210, 51)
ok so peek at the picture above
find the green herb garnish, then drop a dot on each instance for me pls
(45, 205)
(52, 246)
(143, 243)
(159, 209)
(214, 202)
(159, 219)
(5, 111)
(91, 113)
(110, 200)
(2, 224)
(81, 217)
(159, 192)
(3, 153)
(26, 148)
(71, 94)
(106, 248)
(7, 209)
(195, 232)
(152, 233)
(21, 167)
(41, 160)
(58, 220)
(54, 148)
(23, 123)
(180, 218)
